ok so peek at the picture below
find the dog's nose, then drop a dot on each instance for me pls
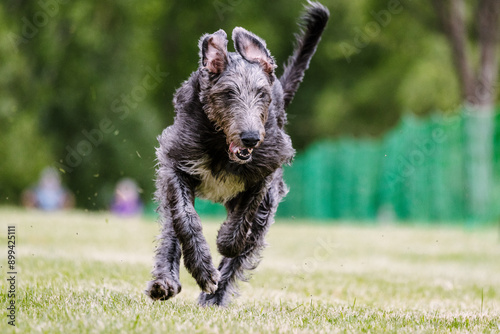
(250, 138)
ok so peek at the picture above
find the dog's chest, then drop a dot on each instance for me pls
(219, 189)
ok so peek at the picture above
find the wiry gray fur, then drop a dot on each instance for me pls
(227, 144)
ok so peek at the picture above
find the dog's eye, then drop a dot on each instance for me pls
(263, 95)
(230, 94)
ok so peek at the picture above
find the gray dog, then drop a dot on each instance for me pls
(228, 145)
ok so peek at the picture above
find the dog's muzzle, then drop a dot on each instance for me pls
(250, 140)
(242, 153)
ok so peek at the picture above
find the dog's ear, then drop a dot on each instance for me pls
(213, 51)
(253, 49)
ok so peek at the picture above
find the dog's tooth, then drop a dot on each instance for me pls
(233, 148)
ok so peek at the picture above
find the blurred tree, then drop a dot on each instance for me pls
(23, 150)
(87, 69)
(378, 59)
(478, 80)
(87, 85)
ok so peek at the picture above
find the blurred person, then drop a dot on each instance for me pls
(49, 194)
(126, 201)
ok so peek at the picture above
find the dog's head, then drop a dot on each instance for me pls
(237, 93)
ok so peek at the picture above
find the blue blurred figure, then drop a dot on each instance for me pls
(48, 194)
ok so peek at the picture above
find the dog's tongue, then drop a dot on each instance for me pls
(233, 148)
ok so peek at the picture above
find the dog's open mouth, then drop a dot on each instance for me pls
(241, 153)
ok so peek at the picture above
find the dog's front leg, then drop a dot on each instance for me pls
(181, 229)
(165, 283)
(234, 268)
(188, 229)
(187, 226)
(231, 239)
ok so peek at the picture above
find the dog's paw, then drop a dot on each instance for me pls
(210, 284)
(162, 289)
(220, 299)
(229, 243)
(206, 300)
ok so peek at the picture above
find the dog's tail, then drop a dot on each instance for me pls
(314, 22)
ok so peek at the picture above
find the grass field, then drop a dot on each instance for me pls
(84, 273)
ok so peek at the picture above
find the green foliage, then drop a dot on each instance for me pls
(313, 278)
(70, 69)
(22, 160)
(88, 78)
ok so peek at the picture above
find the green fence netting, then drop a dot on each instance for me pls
(415, 172)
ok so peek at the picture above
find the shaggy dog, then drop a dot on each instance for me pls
(228, 145)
